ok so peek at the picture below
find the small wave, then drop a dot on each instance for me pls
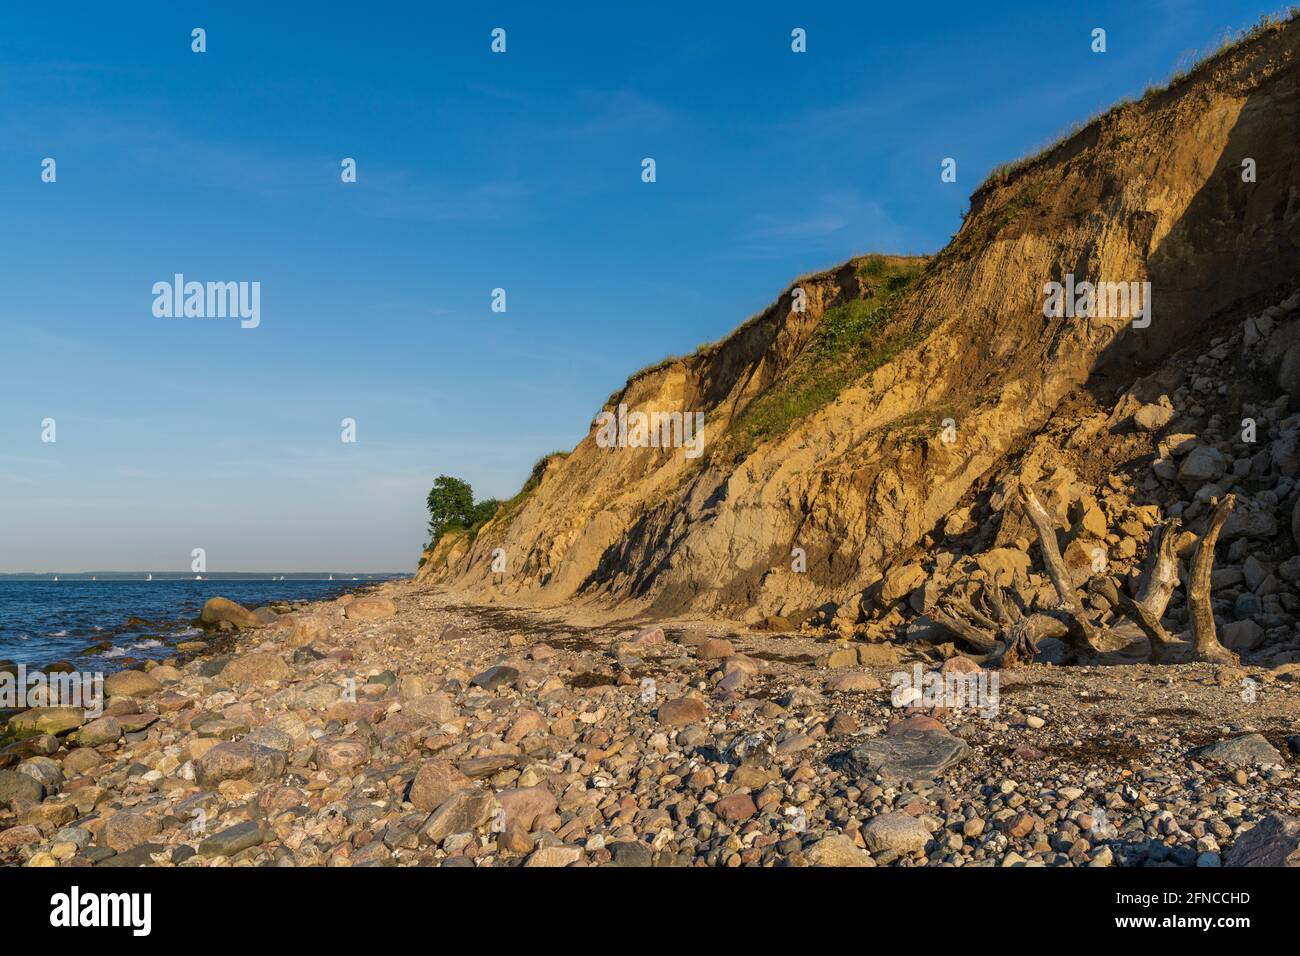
(57, 634)
(115, 652)
(151, 642)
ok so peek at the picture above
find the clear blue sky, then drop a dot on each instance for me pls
(475, 171)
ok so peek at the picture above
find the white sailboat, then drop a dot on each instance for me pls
(56, 577)
(149, 578)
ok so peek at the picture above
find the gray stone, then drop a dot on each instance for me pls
(268, 736)
(911, 755)
(19, 786)
(48, 773)
(631, 853)
(142, 855)
(494, 677)
(1274, 841)
(232, 840)
(1204, 463)
(1247, 751)
(1249, 522)
(899, 832)
(1242, 636)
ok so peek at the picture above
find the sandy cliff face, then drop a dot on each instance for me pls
(1151, 192)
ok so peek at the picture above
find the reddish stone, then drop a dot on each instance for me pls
(737, 807)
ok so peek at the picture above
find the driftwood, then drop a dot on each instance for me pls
(1205, 641)
(1005, 636)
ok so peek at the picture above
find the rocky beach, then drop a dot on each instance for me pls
(402, 727)
(987, 557)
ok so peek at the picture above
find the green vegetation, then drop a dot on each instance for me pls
(852, 339)
(452, 509)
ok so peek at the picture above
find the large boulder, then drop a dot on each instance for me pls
(130, 684)
(47, 720)
(239, 761)
(435, 782)
(1288, 374)
(1205, 463)
(1249, 521)
(436, 708)
(524, 806)
(15, 785)
(105, 730)
(900, 581)
(1152, 418)
(899, 832)
(1002, 564)
(370, 608)
(910, 755)
(341, 754)
(256, 668)
(683, 711)
(219, 609)
(127, 829)
(1242, 636)
(1274, 841)
(837, 850)
(463, 812)
(1249, 750)
(308, 629)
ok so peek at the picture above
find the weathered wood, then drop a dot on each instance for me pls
(1005, 609)
(1084, 631)
(1160, 573)
(1020, 645)
(1160, 640)
(1205, 640)
(1012, 639)
(982, 641)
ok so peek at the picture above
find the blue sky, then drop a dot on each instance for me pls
(475, 171)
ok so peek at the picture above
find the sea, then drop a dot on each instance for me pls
(110, 620)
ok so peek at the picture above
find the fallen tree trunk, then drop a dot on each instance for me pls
(1205, 640)
(1006, 636)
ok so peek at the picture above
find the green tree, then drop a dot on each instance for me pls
(451, 505)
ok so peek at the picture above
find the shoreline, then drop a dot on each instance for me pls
(402, 726)
(169, 632)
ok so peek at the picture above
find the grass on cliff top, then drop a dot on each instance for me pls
(851, 340)
(1267, 23)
